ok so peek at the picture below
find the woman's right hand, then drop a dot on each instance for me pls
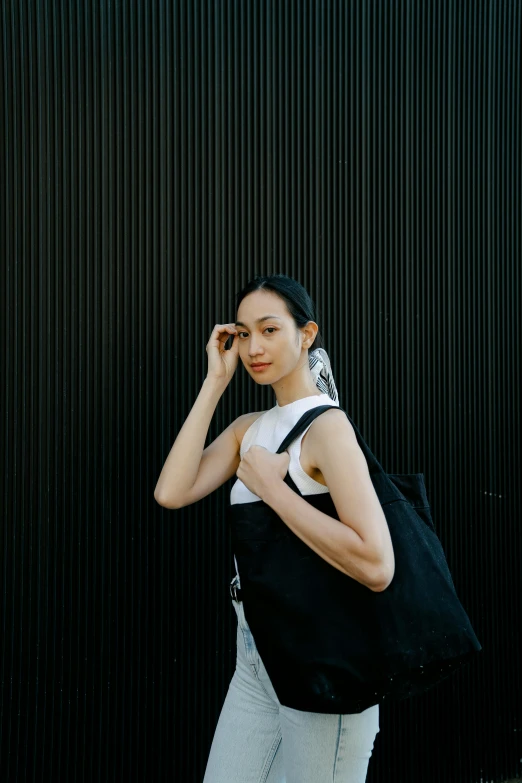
(222, 363)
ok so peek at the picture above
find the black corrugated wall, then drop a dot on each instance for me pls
(154, 156)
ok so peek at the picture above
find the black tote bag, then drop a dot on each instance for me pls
(330, 644)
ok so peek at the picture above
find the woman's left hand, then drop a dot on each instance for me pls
(260, 469)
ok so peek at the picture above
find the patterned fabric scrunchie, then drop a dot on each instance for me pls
(322, 373)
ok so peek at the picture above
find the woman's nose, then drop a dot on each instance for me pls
(253, 349)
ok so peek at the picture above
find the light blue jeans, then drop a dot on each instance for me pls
(258, 740)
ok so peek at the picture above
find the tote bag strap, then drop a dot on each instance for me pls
(307, 418)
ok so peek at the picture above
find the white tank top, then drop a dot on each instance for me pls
(269, 430)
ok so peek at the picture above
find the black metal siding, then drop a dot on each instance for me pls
(155, 155)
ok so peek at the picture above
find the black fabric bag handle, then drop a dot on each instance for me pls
(388, 486)
(374, 466)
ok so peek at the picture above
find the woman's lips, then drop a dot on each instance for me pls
(260, 367)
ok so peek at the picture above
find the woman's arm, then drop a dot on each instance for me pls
(359, 544)
(182, 464)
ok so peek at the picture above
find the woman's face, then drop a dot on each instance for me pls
(267, 334)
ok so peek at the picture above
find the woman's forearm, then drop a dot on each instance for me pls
(181, 467)
(335, 542)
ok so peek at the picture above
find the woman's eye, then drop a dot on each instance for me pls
(267, 328)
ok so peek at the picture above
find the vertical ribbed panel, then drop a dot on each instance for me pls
(154, 156)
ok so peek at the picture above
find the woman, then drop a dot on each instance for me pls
(276, 337)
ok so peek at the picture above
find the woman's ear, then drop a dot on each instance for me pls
(309, 333)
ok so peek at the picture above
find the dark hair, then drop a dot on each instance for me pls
(298, 301)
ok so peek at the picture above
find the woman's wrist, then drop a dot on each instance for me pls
(217, 385)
